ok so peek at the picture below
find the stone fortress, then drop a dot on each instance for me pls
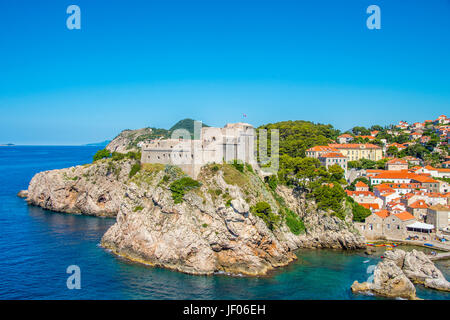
(235, 141)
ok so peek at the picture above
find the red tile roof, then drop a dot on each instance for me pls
(333, 155)
(361, 184)
(359, 193)
(419, 204)
(402, 174)
(373, 206)
(398, 145)
(322, 148)
(404, 216)
(397, 161)
(366, 137)
(401, 185)
(354, 146)
(382, 214)
(423, 179)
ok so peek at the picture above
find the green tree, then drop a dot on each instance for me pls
(264, 211)
(272, 181)
(336, 172)
(377, 128)
(393, 151)
(381, 164)
(294, 222)
(330, 198)
(135, 168)
(359, 212)
(101, 154)
(360, 131)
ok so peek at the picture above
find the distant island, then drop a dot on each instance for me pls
(98, 144)
(7, 145)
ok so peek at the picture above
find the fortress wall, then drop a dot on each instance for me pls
(233, 142)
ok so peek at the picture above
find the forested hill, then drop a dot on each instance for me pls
(298, 136)
(187, 124)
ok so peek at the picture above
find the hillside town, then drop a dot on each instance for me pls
(400, 173)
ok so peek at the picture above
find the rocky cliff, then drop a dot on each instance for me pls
(214, 226)
(93, 189)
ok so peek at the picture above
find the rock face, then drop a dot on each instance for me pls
(393, 275)
(212, 230)
(91, 189)
(323, 230)
(388, 281)
(420, 269)
(201, 235)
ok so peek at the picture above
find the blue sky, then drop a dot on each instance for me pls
(143, 63)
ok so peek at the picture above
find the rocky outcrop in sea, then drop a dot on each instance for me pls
(395, 274)
(93, 189)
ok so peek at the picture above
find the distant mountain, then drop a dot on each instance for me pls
(99, 144)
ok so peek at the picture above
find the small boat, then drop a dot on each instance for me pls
(428, 244)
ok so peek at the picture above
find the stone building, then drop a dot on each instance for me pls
(361, 186)
(383, 224)
(355, 151)
(317, 151)
(235, 141)
(373, 228)
(439, 216)
(345, 138)
(332, 158)
(397, 165)
(418, 209)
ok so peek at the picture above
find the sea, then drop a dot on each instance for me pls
(39, 246)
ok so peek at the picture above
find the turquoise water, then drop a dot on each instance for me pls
(37, 246)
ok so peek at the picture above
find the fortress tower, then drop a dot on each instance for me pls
(235, 141)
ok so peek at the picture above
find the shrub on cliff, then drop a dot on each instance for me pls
(272, 181)
(238, 165)
(116, 156)
(134, 169)
(181, 186)
(264, 211)
(294, 222)
(102, 154)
